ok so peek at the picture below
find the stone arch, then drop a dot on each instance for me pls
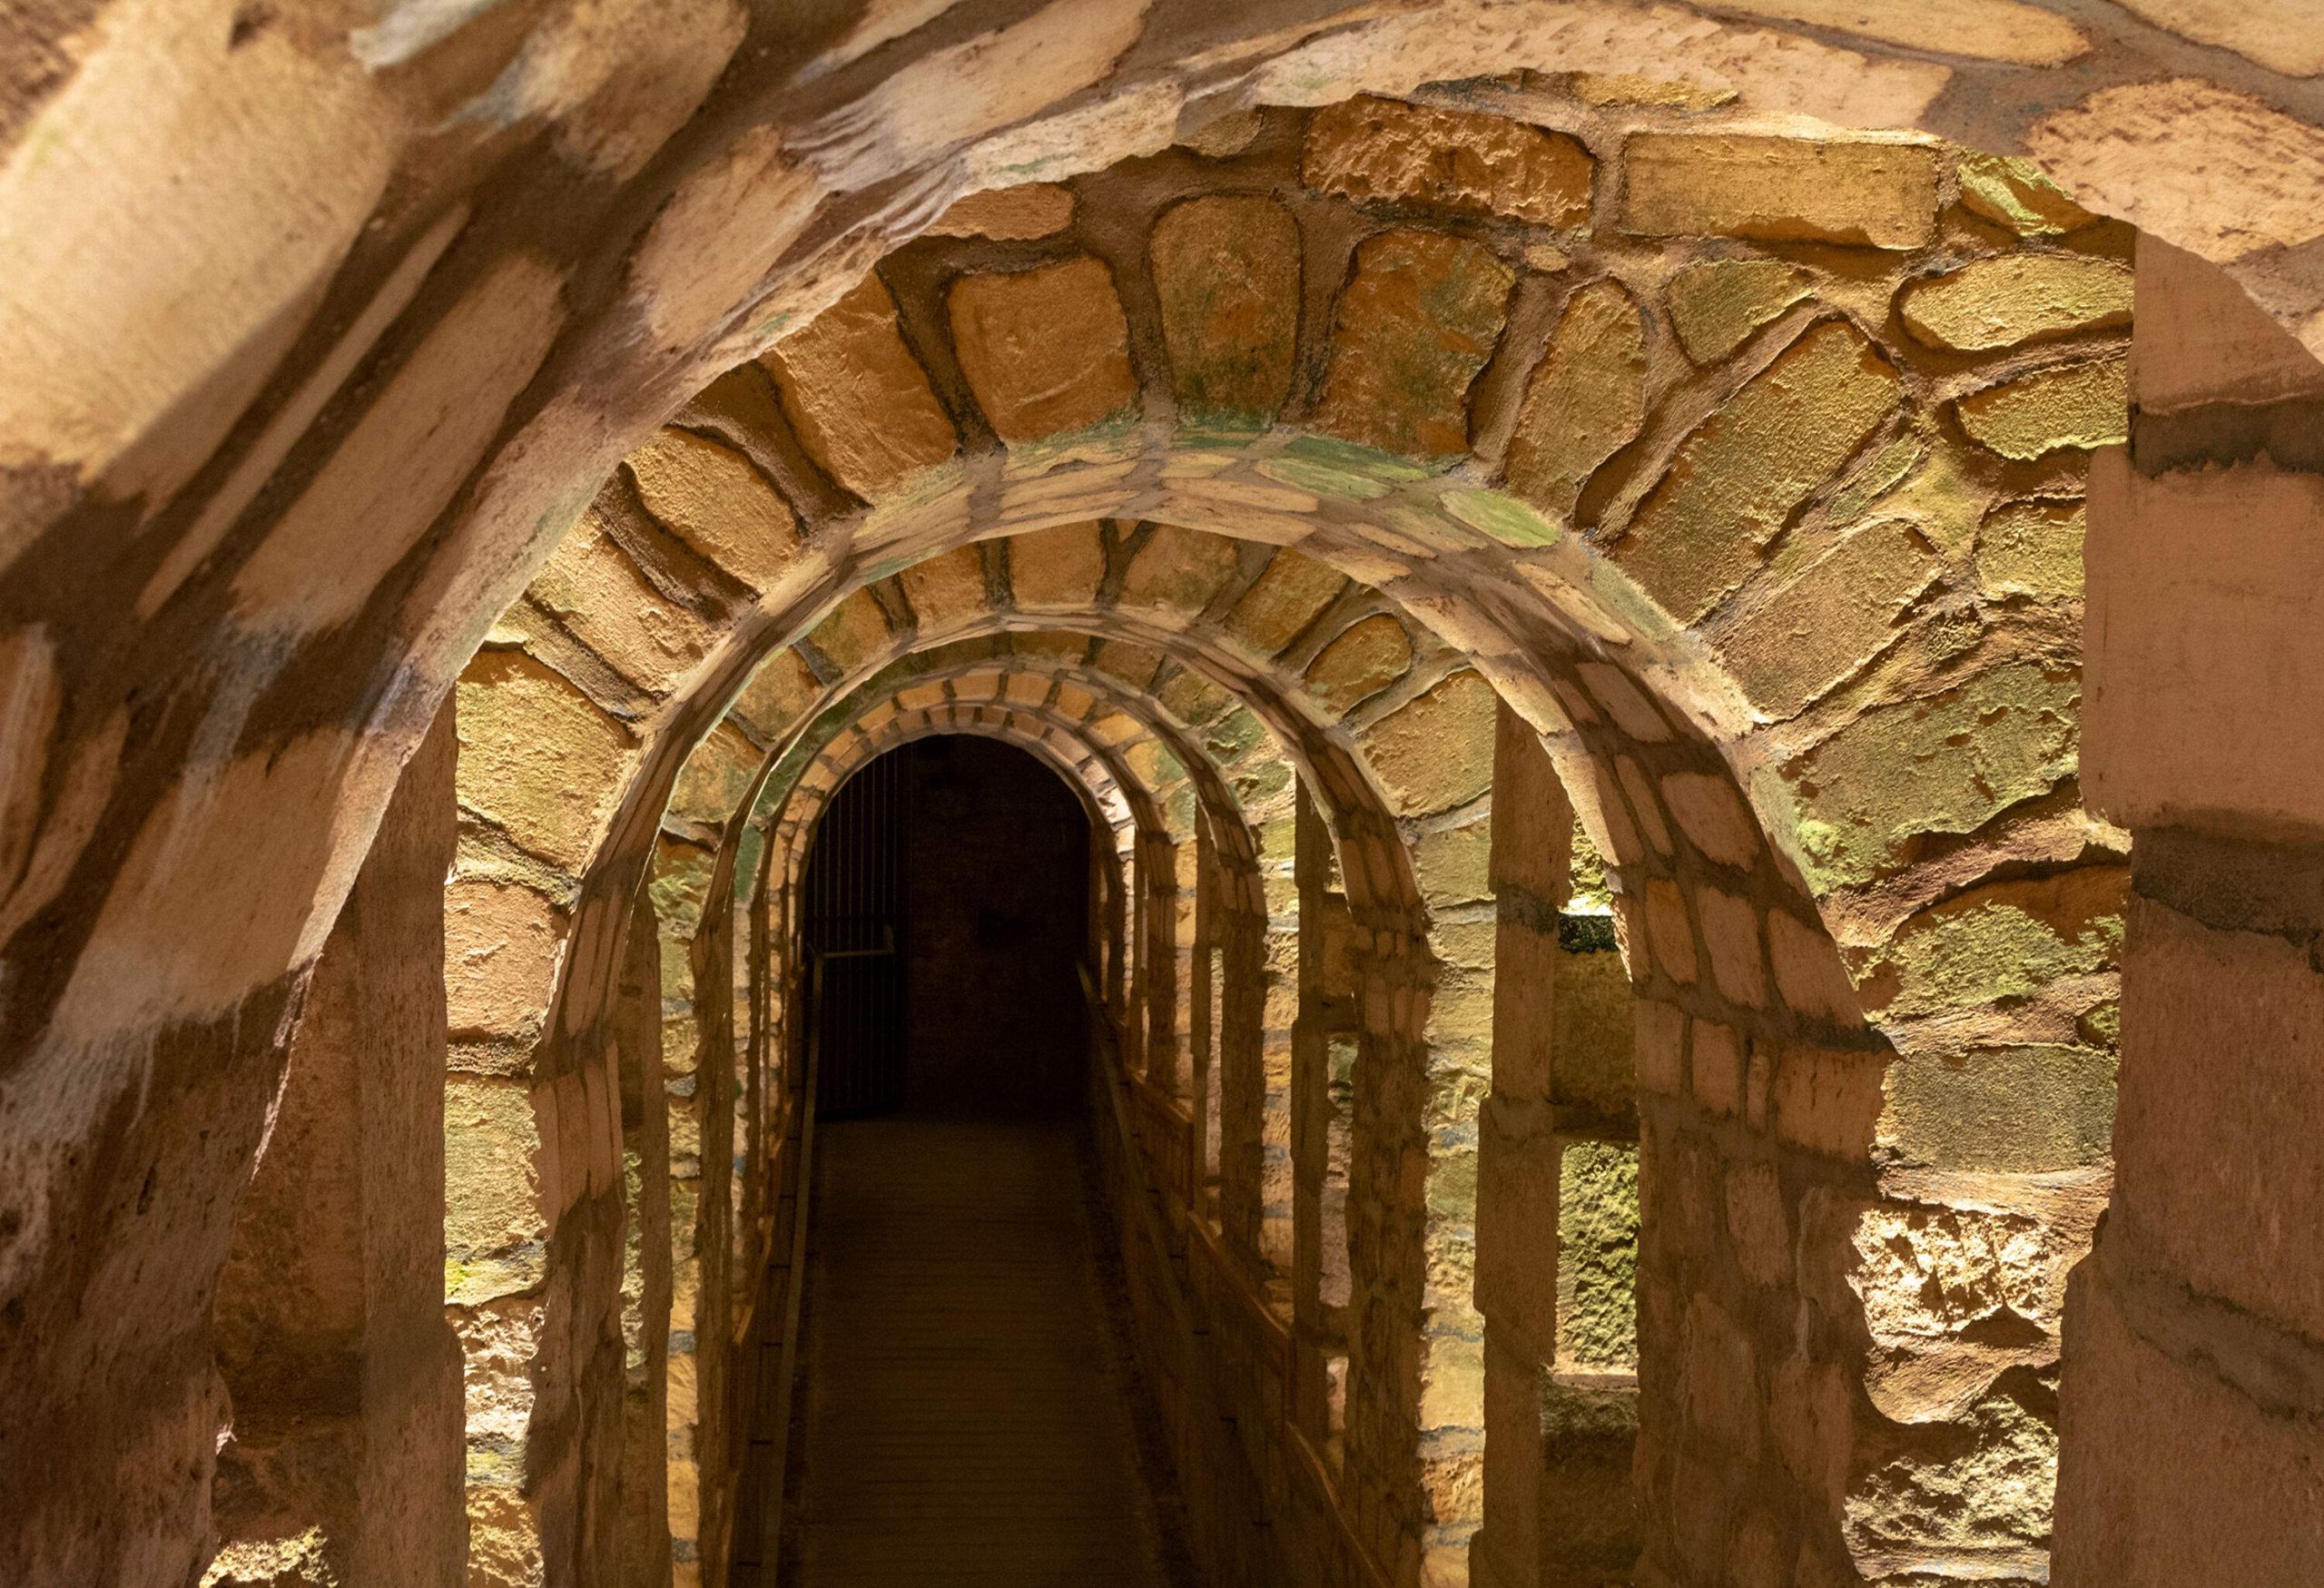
(1854, 80)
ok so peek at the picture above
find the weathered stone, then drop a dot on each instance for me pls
(2016, 298)
(2032, 548)
(1668, 930)
(2015, 194)
(1059, 568)
(853, 633)
(779, 691)
(1226, 271)
(1732, 934)
(2020, 1110)
(1717, 304)
(715, 500)
(1364, 659)
(2004, 940)
(1413, 328)
(2075, 405)
(594, 589)
(1586, 400)
(717, 773)
(1381, 149)
(1947, 764)
(1180, 570)
(1007, 214)
(858, 399)
(1596, 1253)
(501, 945)
(1679, 184)
(537, 758)
(946, 590)
(1739, 478)
(1283, 601)
(1830, 1100)
(1809, 971)
(1844, 610)
(1712, 813)
(1045, 349)
(1435, 752)
(1988, 30)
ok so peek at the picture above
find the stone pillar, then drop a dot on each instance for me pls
(344, 1462)
(2192, 1402)
(1324, 1038)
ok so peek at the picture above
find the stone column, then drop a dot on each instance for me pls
(344, 1463)
(644, 1485)
(2192, 1402)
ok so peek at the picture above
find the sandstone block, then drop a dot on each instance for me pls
(1717, 1066)
(1828, 1100)
(501, 946)
(1228, 272)
(859, 400)
(1835, 616)
(1371, 655)
(854, 632)
(1668, 930)
(2074, 405)
(946, 590)
(1717, 304)
(1722, 1379)
(1660, 1032)
(717, 775)
(594, 589)
(538, 757)
(780, 689)
(1586, 400)
(1057, 568)
(715, 500)
(1739, 478)
(1809, 971)
(1046, 350)
(1414, 330)
(1180, 570)
(2032, 548)
(2027, 1109)
(2007, 940)
(1597, 1255)
(1882, 194)
(2015, 194)
(1279, 606)
(1370, 148)
(1007, 214)
(1732, 934)
(1711, 812)
(1435, 752)
(2012, 299)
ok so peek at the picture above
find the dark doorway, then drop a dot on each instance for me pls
(946, 902)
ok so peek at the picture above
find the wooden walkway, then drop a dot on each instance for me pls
(968, 1416)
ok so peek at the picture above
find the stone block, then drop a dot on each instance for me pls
(715, 776)
(2032, 548)
(2222, 1041)
(1716, 1065)
(1435, 752)
(2084, 405)
(1669, 931)
(1710, 811)
(1180, 571)
(537, 758)
(1291, 594)
(946, 590)
(1881, 194)
(2015, 194)
(1809, 975)
(501, 947)
(1722, 1379)
(2004, 940)
(1596, 1258)
(853, 633)
(1368, 655)
(1585, 401)
(1591, 1033)
(1370, 148)
(1007, 214)
(1838, 613)
(715, 500)
(593, 587)
(859, 401)
(1226, 271)
(1717, 304)
(2185, 728)
(1057, 568)
(780, 690)
(2011, 299)
(1044, 351)
(1739, 478)
(1828, 1100)
(1413, 328)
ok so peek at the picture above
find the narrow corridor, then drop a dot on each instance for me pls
(968, 1416)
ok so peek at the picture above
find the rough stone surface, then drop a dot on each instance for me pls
(2017, 298)
(1378, 148)
(1227, 274)
(1415, 327)
(860, 402)
(1586, 400)
(2077, 405)
(1717, 304)
(1793, 189)
(1009, 326)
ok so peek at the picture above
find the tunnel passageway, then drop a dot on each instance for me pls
(967, 1415)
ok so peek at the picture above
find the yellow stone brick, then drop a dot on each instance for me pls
(946, 590)
(538, 757)
(1283, 600)
(491, 1183)
(1732, 934)
(1717, 304)
(854, 632)
(1046, 350)
(2015, 194)
(1684, 184)
(1436, 751)
(2016, 298)
(860, 401)
(1835, 616)
(2032, 548)
(1370, 148)
(1585, 402)
(1740, 477)
(1180, 570)
(1371, 655)
(2074, 405)
(1669, 931)
(501, 946)
(1226, 272)
(1413, 328)
(1711, 813)
(715, 500)
(594, 589)
(716, 775)
(1007, 214)
(1057, 568)
(778, 690)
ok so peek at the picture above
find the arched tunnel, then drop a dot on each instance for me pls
(1517, 793)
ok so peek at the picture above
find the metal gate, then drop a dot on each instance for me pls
(854, 929)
